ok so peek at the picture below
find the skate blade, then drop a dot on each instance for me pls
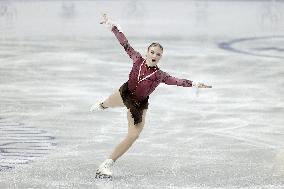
(103, 176)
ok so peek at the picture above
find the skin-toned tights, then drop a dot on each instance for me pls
(115, 100)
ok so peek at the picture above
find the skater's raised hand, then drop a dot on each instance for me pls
(104, 18)
(202, 85)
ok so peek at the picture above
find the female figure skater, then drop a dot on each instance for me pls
(144, 77)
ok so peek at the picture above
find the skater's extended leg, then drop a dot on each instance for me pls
(133, 133)
(104, 170)
(114, 100)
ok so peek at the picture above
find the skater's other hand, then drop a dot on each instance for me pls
(202, 85)
(104, 18)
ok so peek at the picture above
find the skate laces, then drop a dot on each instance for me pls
(108, 164)
(102, 107)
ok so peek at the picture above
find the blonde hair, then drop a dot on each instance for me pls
(156, 44)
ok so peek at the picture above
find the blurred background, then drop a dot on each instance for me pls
(179, 18)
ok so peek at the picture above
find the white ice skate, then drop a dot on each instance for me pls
(104, 170)
(97, 107)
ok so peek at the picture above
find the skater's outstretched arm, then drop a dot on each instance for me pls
(170, 80)
(115, 28)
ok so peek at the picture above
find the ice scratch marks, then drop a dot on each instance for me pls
(21, 144)
(266, 46)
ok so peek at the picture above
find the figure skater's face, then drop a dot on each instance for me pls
(153, 56)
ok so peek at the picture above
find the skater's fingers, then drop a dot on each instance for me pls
(104, 18)
(202, 85)
(207, 86)
(103, 22)
(104, 15)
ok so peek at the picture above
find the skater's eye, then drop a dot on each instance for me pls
(152, 52)
(158, 54)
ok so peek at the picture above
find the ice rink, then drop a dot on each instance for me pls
(56, 60)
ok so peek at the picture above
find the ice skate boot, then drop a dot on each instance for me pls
(97, 107)
(104, 170)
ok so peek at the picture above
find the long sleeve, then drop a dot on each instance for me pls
(170, 80)
(134, 55)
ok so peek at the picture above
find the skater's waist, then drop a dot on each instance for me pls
(135, 95)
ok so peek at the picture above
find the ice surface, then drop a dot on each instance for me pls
(56, 61)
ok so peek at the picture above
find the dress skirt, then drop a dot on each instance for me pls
(136, 107)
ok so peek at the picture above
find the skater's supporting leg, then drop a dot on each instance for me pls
(114, 100)
(133, 133)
